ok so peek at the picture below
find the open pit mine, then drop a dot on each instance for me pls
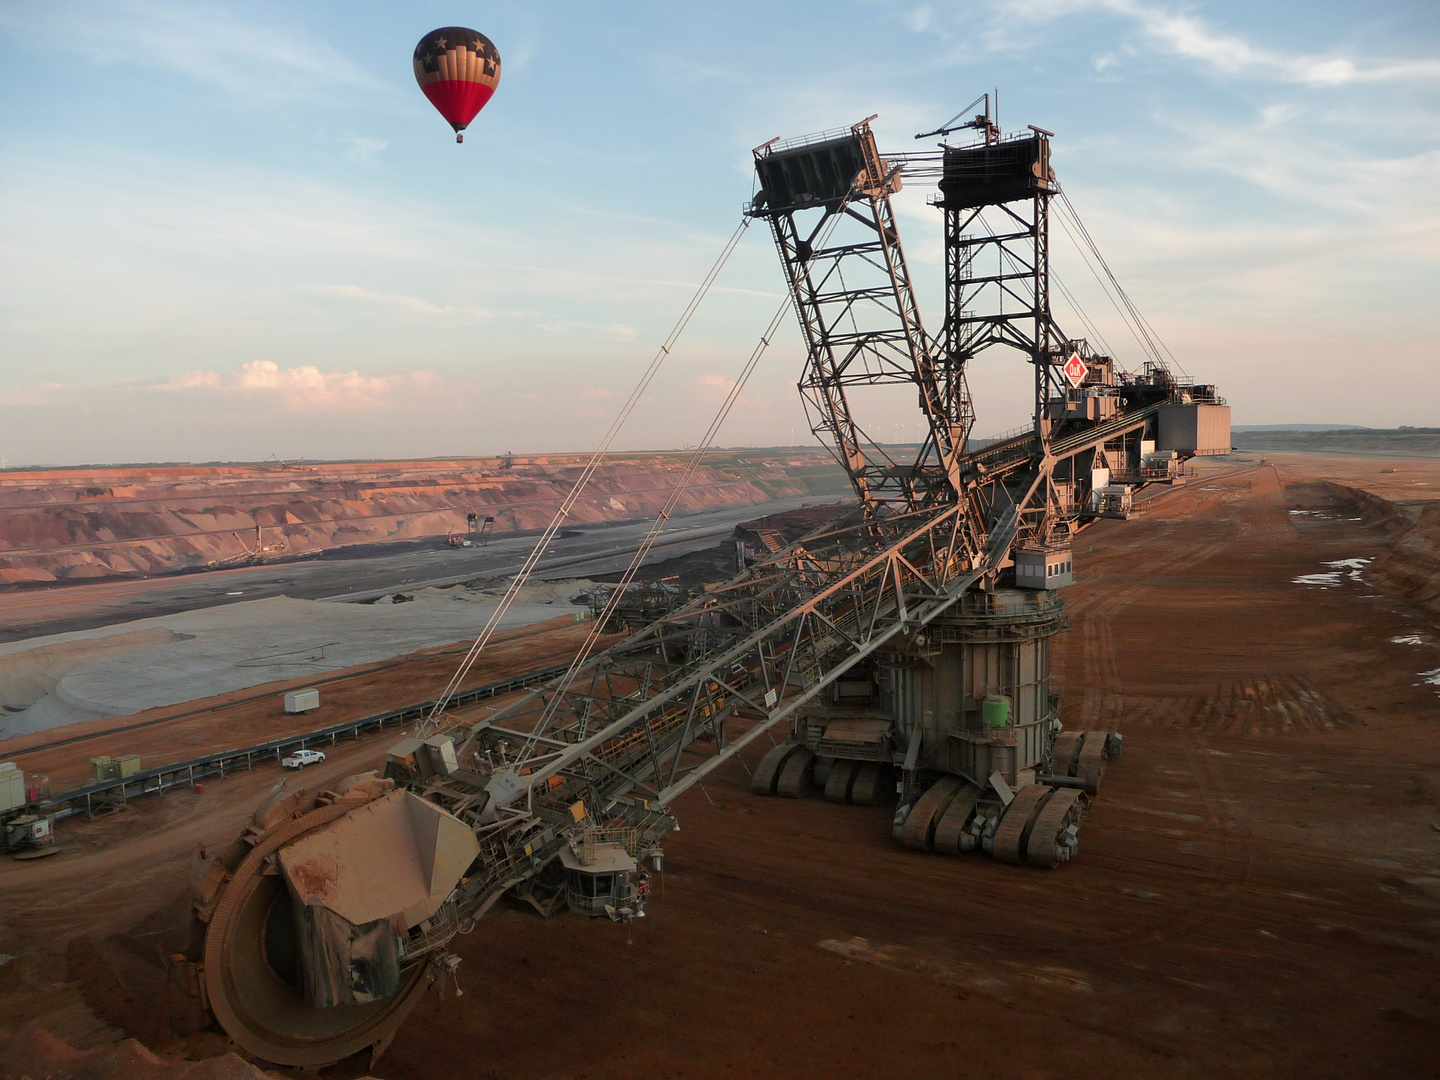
(500, 878)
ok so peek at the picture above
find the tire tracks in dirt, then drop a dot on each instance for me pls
(1103, 697)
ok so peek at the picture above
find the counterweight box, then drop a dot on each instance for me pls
(1194, 429)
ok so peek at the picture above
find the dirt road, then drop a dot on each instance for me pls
(1257, 892)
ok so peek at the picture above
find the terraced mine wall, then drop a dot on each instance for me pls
(1380, 442)
(1412, 565)
(83, 523)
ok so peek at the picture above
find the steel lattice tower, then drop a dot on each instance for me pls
(827, 199)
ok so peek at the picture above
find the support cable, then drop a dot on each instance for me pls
(1093, 250)
(1143, 324)
(1080, 313)
(518, 582)
(642, 552)
(1145, 349)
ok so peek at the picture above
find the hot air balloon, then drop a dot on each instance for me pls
(458, 69)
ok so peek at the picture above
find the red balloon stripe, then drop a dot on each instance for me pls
(458, 101)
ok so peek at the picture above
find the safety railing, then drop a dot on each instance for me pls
(90, 797)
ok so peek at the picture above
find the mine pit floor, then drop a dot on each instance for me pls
(1257, 892)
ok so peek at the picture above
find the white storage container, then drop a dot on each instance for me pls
(300, 701)
(12, 786)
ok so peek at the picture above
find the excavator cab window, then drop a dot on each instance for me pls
(597, 885)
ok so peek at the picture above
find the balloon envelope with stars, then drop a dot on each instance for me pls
(458, 69)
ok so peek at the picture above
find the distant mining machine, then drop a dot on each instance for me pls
(901, 649)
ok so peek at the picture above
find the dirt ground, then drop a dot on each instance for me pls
(1257, 892)
(254, 715)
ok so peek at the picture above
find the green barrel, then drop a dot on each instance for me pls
(995, 712)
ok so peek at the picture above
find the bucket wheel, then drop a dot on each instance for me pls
(251, 959)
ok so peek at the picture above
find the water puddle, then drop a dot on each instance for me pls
(1430, 678)
(1322, 515)
(1318, 581)
(1339, 571)
(1407, 639)
(1352, 565)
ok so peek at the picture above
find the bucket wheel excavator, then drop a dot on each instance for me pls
(902, 648)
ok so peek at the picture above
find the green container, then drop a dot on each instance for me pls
(105, 769)
(995, 712)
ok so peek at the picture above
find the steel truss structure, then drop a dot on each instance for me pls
(998, 290)
(601, 753)
(653, 715)
(827, 198)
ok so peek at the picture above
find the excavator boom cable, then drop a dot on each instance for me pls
(518, 582)
(671, 502)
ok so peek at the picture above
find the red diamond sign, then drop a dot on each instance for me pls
(1075, 369)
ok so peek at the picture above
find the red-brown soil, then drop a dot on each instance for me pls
(1257, 892)
(81, 523)
(35, 1054)
(88, 929)
(1400, 494)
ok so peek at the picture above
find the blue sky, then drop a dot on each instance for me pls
(232, 230)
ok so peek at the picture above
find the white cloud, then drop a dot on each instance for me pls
(192, 380)
(244, 413)
(1298, 160)
(27, 397)
(1188, 36)
(398, 301)
(1278, 114)
(921, 19)
(1179, 33)
(204, 42)
(297, 388)
(363, 150)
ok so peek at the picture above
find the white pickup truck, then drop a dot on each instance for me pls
(300, 758)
